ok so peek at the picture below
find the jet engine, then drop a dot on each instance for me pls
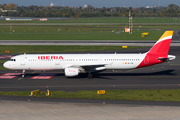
(71, 72)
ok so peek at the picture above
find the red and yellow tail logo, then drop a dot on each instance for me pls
(159, 52)
(162, 45)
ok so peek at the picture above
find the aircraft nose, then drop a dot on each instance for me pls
(6, 65)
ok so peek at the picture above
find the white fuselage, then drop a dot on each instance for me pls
(62, 61)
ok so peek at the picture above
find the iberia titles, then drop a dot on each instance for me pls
(49, 57)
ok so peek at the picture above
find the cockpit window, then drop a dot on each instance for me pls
(12, 60)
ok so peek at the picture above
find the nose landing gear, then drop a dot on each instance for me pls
(23, 73)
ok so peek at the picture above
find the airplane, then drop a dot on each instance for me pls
(73, 64)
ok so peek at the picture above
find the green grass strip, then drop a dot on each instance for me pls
(1, 65)
(55, 48)
(2, 61)
(136, 95)
(75, 33)
(106, 20)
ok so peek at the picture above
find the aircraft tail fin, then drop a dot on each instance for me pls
(163, 44)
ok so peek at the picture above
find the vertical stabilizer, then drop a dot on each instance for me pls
(159, 52)
(162, 45)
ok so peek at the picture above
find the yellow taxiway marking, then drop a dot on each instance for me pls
(20, 78)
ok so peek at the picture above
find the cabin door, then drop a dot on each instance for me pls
(22, 60)
(57, 62)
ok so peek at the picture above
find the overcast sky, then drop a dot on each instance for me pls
(94, 3)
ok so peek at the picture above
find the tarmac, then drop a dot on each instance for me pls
(29, 110)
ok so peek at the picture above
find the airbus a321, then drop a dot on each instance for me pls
(73, 64)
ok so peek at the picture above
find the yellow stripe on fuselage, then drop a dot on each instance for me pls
(167, 33)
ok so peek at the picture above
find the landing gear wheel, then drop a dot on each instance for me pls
(23, 73)
(90, 76)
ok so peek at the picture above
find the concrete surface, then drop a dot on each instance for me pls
(18, 110)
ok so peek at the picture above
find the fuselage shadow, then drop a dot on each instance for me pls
(107, 75)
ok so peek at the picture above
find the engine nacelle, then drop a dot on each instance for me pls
(100, 68)
(71, 71)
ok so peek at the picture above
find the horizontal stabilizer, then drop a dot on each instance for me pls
(162, 59)
(170, 57)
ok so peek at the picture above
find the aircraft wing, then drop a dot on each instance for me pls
(88, 67)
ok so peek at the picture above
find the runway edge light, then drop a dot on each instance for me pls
(101, 92)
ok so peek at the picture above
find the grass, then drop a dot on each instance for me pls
(2, 61)
(106, 20)
(138, 95)
(170, 27)
(1, 66)
(74, 33)
(13, 49)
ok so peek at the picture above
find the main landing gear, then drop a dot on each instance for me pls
(23, 73)
(89, 75)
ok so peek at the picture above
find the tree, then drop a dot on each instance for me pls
(172, 7)
(10, 6)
